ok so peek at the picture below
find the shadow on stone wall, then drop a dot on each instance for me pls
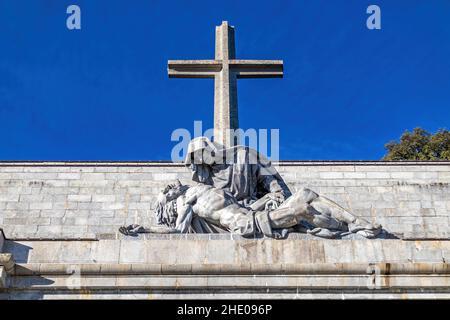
(19, 251)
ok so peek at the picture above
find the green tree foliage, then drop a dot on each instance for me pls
(420, 145)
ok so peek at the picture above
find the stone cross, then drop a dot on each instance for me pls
(225, 70)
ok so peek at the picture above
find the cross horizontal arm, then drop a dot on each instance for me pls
(257, 68)
(193, 68)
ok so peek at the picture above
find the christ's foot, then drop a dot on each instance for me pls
(364, 228)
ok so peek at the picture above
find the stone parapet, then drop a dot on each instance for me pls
(90, 200)
(2, 239)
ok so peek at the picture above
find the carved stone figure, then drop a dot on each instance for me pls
(179, 204)
(239, 191)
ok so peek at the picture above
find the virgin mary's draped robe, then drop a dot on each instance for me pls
(241, 171)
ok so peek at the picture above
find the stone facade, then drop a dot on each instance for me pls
(225, 70)
(91, 200)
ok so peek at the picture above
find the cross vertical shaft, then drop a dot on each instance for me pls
(225, 88)
(225, 69)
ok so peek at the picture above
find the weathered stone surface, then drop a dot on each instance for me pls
(225, 70)
(415, 208)
(271, 294)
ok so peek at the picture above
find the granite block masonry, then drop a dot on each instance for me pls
(91, 200)
(2, 240)
(60, 222)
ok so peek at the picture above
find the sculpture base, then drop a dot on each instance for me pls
(211, 269)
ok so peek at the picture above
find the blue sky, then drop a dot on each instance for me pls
(102, 92)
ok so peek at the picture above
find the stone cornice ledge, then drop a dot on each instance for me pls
(46, 269)
(2, 239)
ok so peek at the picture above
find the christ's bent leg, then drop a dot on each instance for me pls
(320, 212)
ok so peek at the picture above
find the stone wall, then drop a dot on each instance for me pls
(183, 267)
(179, 250)
(91, 200)
(2, 240)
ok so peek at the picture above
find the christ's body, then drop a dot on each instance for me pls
(220, 207)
